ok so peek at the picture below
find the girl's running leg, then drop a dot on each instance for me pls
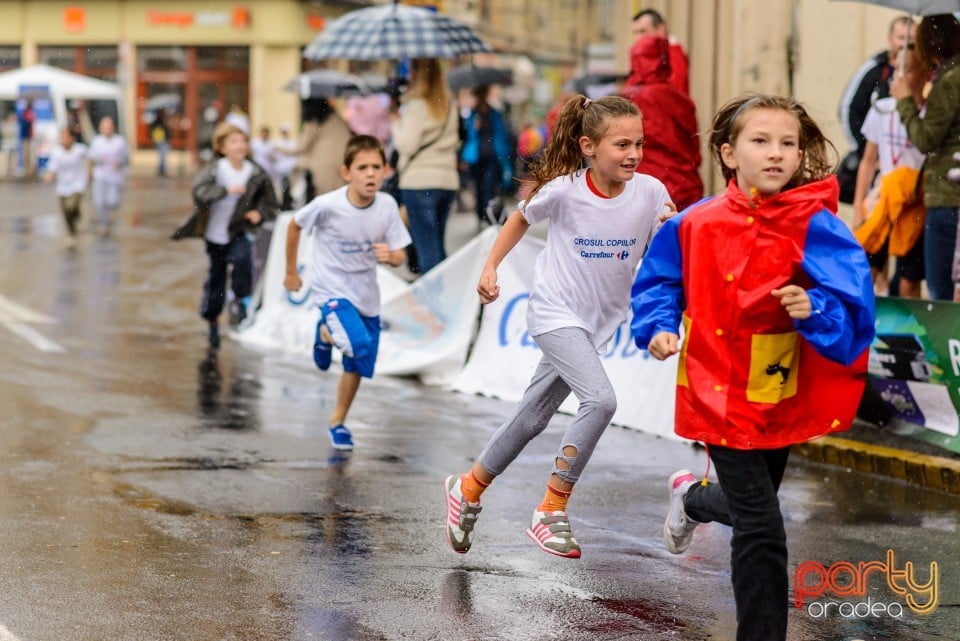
(750, 480)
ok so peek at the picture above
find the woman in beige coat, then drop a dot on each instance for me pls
(322, 141)
(426, 136)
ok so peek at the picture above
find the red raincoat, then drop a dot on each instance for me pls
(671, 149)
(749, 376)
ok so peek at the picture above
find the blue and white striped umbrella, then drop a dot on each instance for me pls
(394, 32)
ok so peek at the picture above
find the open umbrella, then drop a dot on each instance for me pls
(394, 32)
(470, 76)
(916, 7)
(328, 83)
(163, 101)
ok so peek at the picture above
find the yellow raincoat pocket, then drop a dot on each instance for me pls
(774, 359)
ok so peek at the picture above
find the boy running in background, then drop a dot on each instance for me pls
(355, 227)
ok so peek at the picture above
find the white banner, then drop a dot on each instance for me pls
(504, 356)
(427, 326)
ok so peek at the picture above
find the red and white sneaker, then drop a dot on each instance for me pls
(678, 528)
(551, 532)
(461, 516)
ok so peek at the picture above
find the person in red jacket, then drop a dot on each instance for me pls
(671, 148)
(649, 22)
(776, 300)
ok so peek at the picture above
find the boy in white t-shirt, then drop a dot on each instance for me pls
(355, 227)
(68, 162)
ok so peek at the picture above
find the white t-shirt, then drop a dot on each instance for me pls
(344, 264)
(883, 128)
(70, 166)
(584, 274)
(286, 157)
(264, 154)
(221, 211)
(109, 156)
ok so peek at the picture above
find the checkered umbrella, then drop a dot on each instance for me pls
(394, 32)
(918, 7)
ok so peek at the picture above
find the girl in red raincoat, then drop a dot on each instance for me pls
(775, 297)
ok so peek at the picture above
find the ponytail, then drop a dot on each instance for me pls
(579, 117)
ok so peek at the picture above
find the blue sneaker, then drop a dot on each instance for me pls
(340, 438)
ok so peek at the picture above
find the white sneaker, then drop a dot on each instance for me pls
(461, 516)
(678, 528)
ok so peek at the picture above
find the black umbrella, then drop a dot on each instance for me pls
(470, 76)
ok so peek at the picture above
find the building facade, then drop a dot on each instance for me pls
(195, 61)
(200, 59)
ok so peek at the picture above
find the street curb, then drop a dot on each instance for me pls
(935, 472)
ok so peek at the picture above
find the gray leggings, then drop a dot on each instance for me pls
(570, 363)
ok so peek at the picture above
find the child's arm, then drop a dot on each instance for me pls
(292, 278)
(840, 321)
(385, 255)
(511, 233)
(205, 187)
(865, 173)
(264, 203)
(657, 296)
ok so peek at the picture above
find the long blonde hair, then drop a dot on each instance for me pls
(579, 116)
(428, 84)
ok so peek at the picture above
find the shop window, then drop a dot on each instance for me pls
(100, 62)
(9, 57)
(161, 59)
(217, 58)
(61, 57)
(101, 58)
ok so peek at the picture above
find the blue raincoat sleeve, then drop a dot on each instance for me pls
(657, 295)
(842, 323)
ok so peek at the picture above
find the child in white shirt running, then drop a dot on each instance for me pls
(601, 220)
(355, 227)
(68, 162)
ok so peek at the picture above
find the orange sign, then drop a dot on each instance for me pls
(237, 18)
(74, 19)
(170, 18)
(240, 18)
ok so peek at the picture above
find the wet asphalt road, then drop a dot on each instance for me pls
(151, 489)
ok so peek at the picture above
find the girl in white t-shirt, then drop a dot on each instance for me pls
(601, 220)
(68, 162)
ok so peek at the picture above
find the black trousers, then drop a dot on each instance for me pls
(746, 499)
(238, 254)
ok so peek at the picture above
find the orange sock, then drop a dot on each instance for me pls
(554, 500)
(471, 487)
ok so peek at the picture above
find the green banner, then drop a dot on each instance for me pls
(915, 366)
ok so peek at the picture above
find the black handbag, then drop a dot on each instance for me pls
(847, 176)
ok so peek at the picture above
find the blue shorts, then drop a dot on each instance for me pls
(356, 336)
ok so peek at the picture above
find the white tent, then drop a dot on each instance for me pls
(61, 87)
(64, 85)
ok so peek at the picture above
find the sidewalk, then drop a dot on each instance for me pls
(869, 448)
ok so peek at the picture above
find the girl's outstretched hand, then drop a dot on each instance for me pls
(663, 345)
(795, 300)
(487, 287)
(670, 213)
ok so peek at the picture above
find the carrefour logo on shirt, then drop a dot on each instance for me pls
(605, 243)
